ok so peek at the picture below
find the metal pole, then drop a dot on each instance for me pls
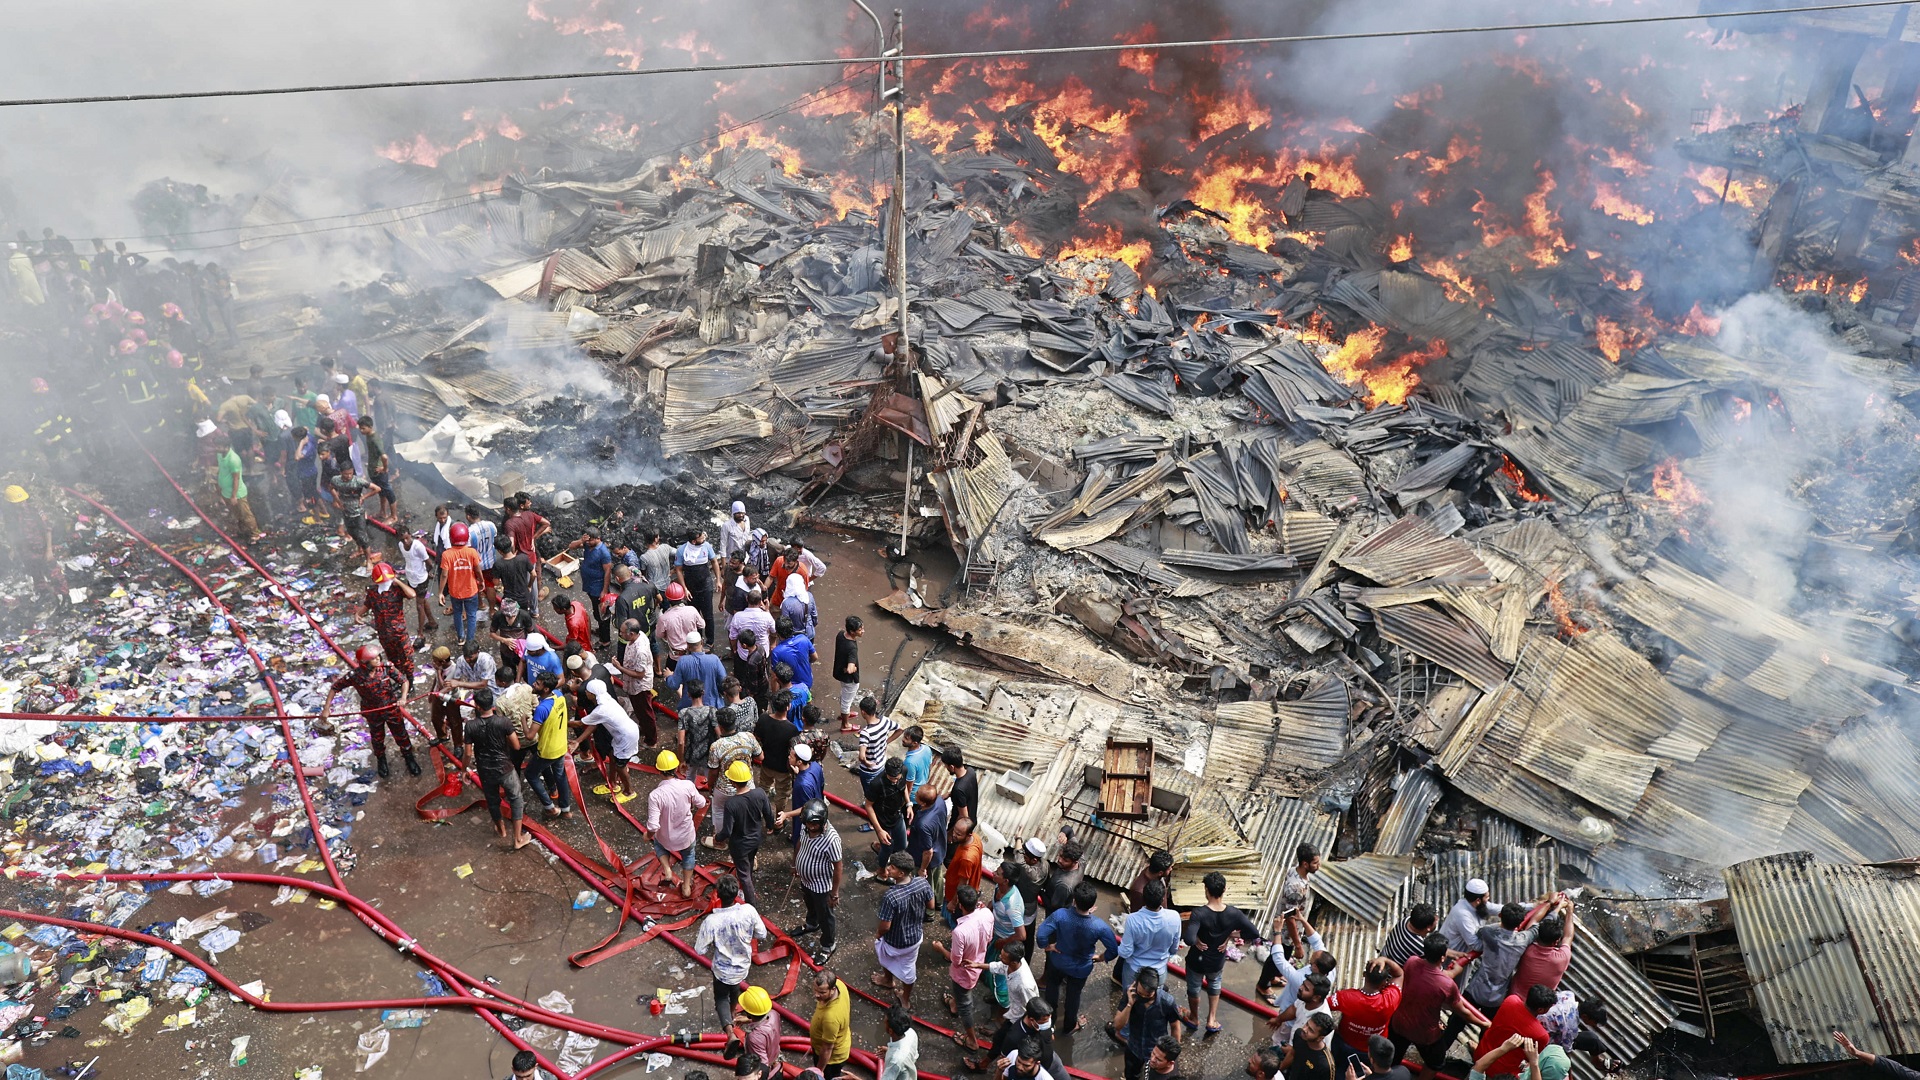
(879, 35)
(906, 504)
(900, 184)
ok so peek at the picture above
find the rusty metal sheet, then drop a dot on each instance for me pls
(1813, 969)
(1411, 550)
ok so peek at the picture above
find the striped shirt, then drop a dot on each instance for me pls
(481, 535)
(1403, 944)
(873, 742)
(902, 908)
(813, 863)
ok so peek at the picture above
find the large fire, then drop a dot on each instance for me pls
(1518, 481)
(1388, 381)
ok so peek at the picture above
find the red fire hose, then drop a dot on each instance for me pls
(610, 881)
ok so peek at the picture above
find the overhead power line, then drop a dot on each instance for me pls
(979, 54)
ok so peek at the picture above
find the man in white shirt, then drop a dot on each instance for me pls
(1469, 914)
(901, 1056)
(735, 533)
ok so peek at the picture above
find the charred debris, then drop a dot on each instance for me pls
(1446, 567)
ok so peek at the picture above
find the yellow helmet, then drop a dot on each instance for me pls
(666, 762)
(755, 1001)
(739, 773)
(15, 493)
(441, 652)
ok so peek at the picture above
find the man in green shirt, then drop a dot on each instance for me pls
(233, 487)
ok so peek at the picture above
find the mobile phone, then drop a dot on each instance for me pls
(1353, 1062)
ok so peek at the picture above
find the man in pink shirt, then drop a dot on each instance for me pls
(1545, 961)
(670, 810)
(966, 959)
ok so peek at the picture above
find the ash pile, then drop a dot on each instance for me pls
(1452, 569)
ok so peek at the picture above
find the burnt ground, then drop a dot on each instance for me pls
(513, 919)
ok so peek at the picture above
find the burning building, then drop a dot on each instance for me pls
(1500, 468)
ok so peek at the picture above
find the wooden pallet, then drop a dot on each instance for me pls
(1126, 789)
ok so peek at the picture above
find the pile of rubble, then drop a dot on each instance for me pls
(1418, 564)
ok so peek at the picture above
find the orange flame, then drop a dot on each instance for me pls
(1391, 382)
(1511, 470)
(1401, 250)
(1460, 288)
(1698, 323)
(1562, 610)
(1608, 200)
(1108, 244)
(1617, 339)
(1827, 285)
(1543, 224)
(1672, 487)
(1712, 180)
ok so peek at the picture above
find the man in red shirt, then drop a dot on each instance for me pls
(526, 528)
(1427, 986)
(1516, 1016)
(578, 621)
(1545, 961)
(1366, 1011)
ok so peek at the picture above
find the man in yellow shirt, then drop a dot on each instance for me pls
(547, 772)
(831, 1028)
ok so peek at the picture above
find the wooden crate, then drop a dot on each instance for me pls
(1126, 789)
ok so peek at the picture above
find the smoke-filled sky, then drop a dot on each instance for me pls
(74, 166)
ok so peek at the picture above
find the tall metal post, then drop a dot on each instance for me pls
(899, 92)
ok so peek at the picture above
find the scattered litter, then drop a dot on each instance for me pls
(239, 1055)
(371, 1048)
(463, 871)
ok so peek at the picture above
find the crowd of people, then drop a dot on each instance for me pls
(679, 660)
(696, 658)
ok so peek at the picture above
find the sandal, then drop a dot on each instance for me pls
(884, 982)
(953, 1010)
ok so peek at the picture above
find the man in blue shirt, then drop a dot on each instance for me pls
(795, 651)
(809, 783)
(927, 837)
(919, 755)
(1069, 936)
(541, 658)
(1152, 937)
(699, 666)
(596, 559)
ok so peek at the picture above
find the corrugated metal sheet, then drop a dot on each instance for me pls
(1406, 817)
(1252, 738)
(578, 270)
(1425, 631)
(1371, 888)
(1263, 832)
(1411, 550)
(1829, 947)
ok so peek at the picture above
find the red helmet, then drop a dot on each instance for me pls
(38, 386)
(367, 654)
(457, 532)
(128, 346)
(136, 318)
(676, 591)
(138, 335)
(175, 360)
(382, 572)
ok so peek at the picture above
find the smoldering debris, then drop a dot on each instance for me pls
(1436, 537)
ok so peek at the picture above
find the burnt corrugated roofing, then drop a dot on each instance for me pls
(1411, 550)
(1829, 947)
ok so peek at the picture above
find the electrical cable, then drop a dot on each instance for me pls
(974, 54)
